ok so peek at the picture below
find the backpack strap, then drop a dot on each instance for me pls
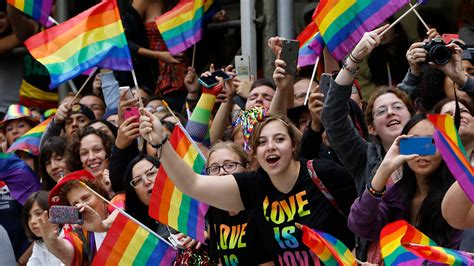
(319, 184)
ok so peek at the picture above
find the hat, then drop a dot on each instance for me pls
(16, 111)
(82, 175)
(78, 108)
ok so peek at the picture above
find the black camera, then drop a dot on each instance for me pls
(438, 53)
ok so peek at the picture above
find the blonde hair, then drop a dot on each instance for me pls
(233, 147)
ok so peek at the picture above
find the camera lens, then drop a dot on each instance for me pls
(440, 54)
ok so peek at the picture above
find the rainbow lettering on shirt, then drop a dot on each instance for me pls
(283, 214)
(231, 238)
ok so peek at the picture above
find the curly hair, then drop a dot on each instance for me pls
(73, 158)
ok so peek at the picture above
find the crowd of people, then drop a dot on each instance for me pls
(333, 164)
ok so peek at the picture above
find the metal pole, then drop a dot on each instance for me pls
(269, 30)
(249, 33)
(62, 14)
(286, 18)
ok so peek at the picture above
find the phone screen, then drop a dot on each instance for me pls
(211, 80)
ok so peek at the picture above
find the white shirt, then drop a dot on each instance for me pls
(42, 257)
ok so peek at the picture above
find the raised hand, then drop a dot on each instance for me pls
(367, 44)
(64, 111)
(150, 127)
(315, 105)
(127, 132)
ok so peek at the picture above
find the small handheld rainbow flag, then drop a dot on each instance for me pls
(181, 27)
(127, 243)
(30, 141)
(168, 204)
(449, 145)
(311, 45)
(19, 177)
(95, 37)
(329, 249)
(39, 10)
(342, 23)
(401, 243)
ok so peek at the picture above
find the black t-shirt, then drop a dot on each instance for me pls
(242, 239)
(304, 204)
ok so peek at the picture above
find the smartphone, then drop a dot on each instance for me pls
(324, 83)
(289, 54)
(417, 145)
(211, 80)
(242, 67)
(129, 94)
(131, 112)
(448, 37)
(65, 215)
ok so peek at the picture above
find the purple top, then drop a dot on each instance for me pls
(369, 215)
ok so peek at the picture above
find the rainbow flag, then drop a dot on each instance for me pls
(449, 145)
(30, 141)
(181, 27)
(329, 249)
(19, 177)
(95, 37)
(168, 204)
(311, 45)
(401, 243)
(127, 243)
(39, 10)
(343, 22)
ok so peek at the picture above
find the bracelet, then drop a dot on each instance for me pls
(354, 59)
(375, 193)
(159, 146)
(349, 69)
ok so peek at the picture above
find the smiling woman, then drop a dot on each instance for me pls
(282, 186)
(90, 150)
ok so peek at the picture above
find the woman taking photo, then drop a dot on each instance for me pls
(78, 246)
(416, 198)
(282, 186)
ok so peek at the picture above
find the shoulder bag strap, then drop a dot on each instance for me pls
(317, 181)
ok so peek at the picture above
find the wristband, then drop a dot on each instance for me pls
(375, 193)
(157, 146)
(354, 59)
(349, 69)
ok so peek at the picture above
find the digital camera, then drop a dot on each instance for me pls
(438, 53)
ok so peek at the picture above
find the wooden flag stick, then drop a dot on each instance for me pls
(136, 87)
(127, 215)
(400, 18)
(420, 18)
(53, 20)
(311, 81)
(83, 85)
(194, 56)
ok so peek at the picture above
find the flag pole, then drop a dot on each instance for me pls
(420, 18)
(136, 87)
(83, 85)
(184, 130)
(300, 226)
(311, 81)
(389, 74)
(126, 214)
(400, 18)
(53, 20)
(194, 56)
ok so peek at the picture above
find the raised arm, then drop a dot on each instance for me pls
(58, 246)
(219, 191)
(457, 209)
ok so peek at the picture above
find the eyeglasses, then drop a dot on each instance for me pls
(157, 109)
(227, 167)
(149, 174)
(300, 96)
(383, 110)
